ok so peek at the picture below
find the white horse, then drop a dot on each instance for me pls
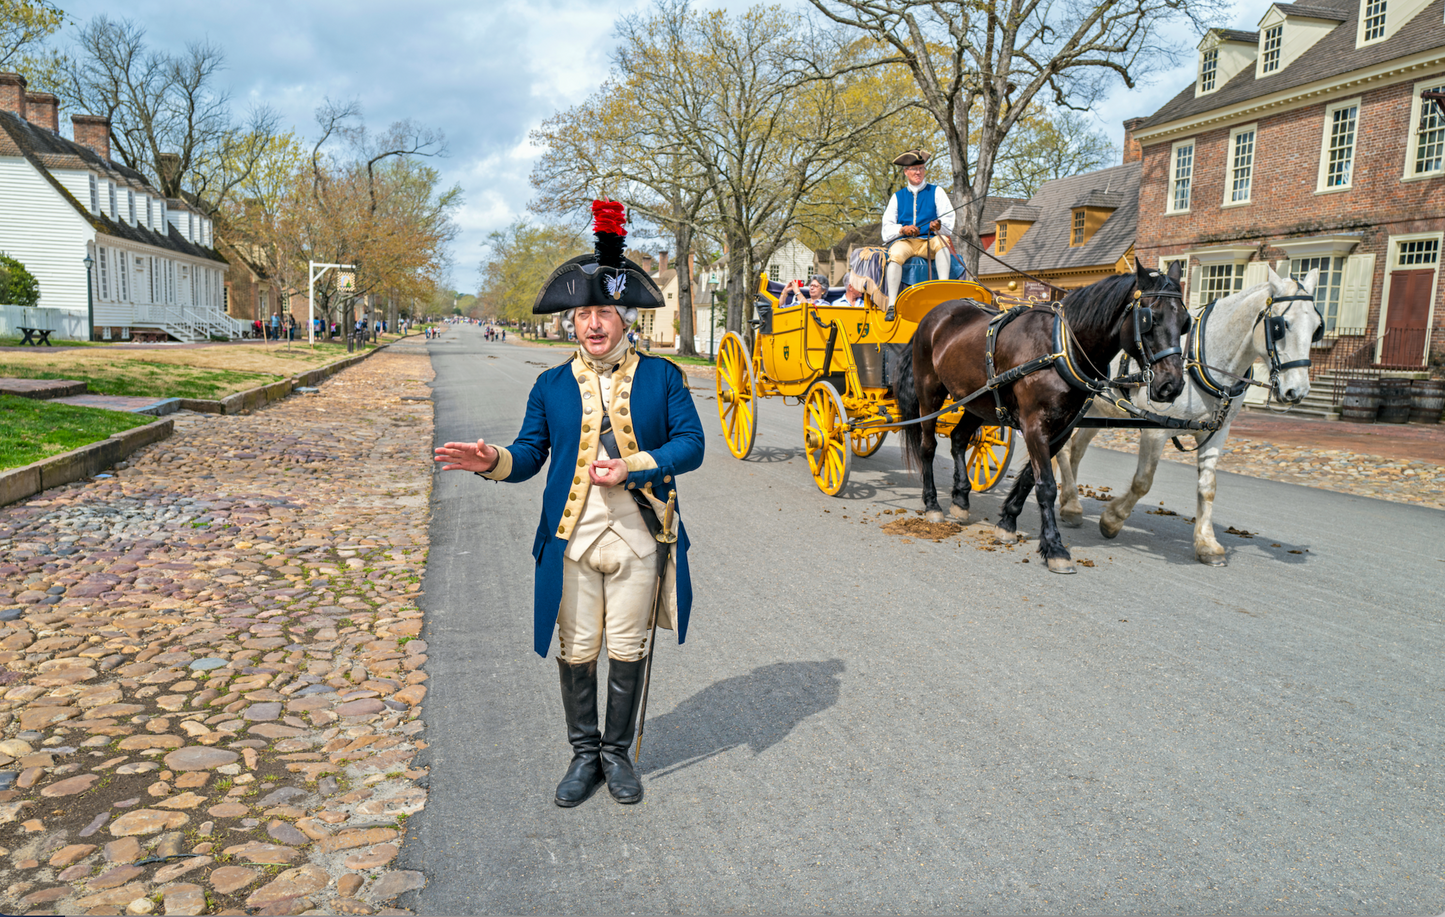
(1275, 321)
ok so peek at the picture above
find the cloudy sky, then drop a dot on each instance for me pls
(484, 71)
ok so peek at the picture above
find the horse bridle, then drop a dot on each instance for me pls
(1142, 317)
(1275, 327)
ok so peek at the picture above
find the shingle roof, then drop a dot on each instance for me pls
(1313, 11)
(1045, 247)
(1019, 212)
(47, 151)
(1237, 35)
(1332, 55)
(1105, 200)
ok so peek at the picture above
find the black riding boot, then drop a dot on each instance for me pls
(624, 692)
(579, 703)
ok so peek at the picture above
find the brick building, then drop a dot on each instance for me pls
(1304, 145)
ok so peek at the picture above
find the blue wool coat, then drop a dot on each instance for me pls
(667, 428)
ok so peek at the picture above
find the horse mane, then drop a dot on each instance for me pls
(1095, 307)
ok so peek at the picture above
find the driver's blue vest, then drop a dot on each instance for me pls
(918, 209)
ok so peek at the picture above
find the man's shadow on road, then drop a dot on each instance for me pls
(759, 709)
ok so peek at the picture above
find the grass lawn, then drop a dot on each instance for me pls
(211, 372)
(38, 429)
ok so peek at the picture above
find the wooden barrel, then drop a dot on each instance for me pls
(1394, 401)
(1427, 400)
(1362, 400)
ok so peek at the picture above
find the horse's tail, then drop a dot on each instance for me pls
(907, 394)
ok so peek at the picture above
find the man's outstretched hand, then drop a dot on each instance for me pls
(478, 456)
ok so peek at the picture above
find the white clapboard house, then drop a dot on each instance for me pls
(154, 268)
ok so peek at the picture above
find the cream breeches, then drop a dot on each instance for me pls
(609, 590)
(903, 249)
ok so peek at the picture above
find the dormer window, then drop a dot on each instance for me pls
(1208, 70)
(1077, 236)
(114, 213)
(1001, 239)
(130, 197)
(1374, 21)
(1273, 38)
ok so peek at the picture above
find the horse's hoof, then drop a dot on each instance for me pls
(934, 515)
(1072, 520)
(1109, 530)
(1213, 560)
(1061, 565)
(1003, 536)
(959, 514)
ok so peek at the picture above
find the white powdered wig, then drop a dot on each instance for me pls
(628, 314)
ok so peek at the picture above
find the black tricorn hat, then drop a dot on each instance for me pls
(911, 158)
(602, 278)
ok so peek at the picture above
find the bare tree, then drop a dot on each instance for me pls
(739, 99)
(170, 120)
(1045, 145)
(979, 64)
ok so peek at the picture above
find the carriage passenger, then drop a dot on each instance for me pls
(815, 293)
(852, 296)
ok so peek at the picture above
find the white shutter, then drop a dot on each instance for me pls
(1196, 283)
(1255, 272)
(1355, 290)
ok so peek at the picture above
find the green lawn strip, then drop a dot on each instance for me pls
(55, 342)
(155, 380)
(38, 429)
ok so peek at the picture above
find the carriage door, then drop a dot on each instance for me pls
(1407, 312)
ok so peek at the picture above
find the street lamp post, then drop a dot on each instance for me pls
(89, 300)
(313, 276)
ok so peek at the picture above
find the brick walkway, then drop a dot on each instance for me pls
(1404, 463)
(211, 668)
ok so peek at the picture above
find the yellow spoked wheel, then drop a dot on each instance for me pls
(736, 395)
(825, 438)
(989, 452)
(866, 442)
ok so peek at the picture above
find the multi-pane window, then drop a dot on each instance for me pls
(1208, 70)
(114, 211)
(1327, 291)
(102, 274)
(1183, 174)
(130, 205)
(1077, 238)
(1220, 280)
(94, 195)
(1002, 238)
(1430, 136)
(122, 277)
(1241, 169)
(1420, 253)
(1340, 151)
(1273, 37)
(1374, 20)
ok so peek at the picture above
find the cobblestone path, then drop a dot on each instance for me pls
(210, 665)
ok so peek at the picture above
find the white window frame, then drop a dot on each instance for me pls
(1360, 39)
(1412, 148)
(94, 193)
(1320, 186)
(1173, 175)
(1229, 154)
(1204, 58)
(102, 276)
(130, 205)
(114, 213)
(1392, 254)
(1264, 50)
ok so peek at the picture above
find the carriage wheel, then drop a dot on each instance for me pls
(867, 442)
(736, 395)
(989, 452)
(825, 438)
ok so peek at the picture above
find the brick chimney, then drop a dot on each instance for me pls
(44, 110)
(93, 131)
(662, 261)
(1133, 151)
(12, 94)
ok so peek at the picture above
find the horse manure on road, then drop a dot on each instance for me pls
(915, 527)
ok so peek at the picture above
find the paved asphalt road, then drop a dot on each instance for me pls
(859, 723)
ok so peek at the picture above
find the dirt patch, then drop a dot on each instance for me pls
(915, 527)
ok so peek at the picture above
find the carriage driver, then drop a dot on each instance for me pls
(619, 426)
(917, 217)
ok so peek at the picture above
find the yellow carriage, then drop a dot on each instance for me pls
(832, 359)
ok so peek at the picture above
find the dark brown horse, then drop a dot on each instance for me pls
(1141, 313)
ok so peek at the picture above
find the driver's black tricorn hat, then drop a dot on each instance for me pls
(602, 278)
(911, 158)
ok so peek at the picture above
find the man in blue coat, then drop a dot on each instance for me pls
(915, 223)
(619, 427)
